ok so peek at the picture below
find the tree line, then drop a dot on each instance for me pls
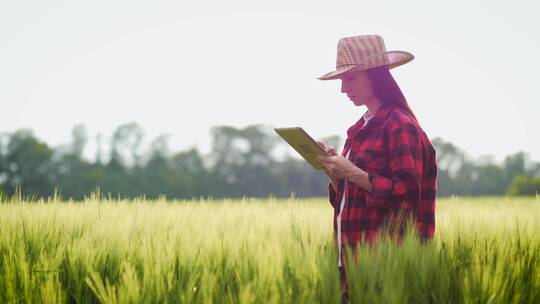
(242, 162)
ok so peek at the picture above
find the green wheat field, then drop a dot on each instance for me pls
(104, 250)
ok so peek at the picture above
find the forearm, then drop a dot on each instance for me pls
(360, 178)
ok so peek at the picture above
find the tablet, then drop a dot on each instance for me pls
(303, 144)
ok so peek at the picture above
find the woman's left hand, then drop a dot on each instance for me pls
(338, 166)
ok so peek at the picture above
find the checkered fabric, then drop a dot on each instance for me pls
(401, 164)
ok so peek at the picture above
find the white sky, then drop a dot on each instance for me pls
(180, 67)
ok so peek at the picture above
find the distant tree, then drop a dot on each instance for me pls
(228, 156)
(70, 166)
(487, 179)
(301, 179)
(125, 144)
(450, 162)
(189, 162)
(99, 149)
(189, 169)
(79, 139)
(122, 172)
(4, 140)
(26, 162)
(514, 165)
(524, 185)
(157, 178)
(242, 162)
(449, 157)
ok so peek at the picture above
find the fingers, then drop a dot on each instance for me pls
(328, 172)
(324, 164)
(326, 160)
(330, 150)
(328, 167)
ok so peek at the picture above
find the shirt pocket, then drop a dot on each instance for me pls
(372, 161)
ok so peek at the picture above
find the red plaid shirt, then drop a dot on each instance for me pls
(401, 165)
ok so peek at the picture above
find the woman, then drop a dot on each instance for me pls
(387, 169)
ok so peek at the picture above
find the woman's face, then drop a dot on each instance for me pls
(358, 87)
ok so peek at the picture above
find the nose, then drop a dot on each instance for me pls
(343, 87)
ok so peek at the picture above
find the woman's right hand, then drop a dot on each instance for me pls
(330, 150)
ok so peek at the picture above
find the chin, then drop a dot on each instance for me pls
(358, 103)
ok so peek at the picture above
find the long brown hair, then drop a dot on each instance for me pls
(387, 90)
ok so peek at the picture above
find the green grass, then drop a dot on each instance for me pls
(486, 250)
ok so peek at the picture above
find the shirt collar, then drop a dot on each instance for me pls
(377, 119)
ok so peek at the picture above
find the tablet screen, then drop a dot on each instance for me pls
(304, 144)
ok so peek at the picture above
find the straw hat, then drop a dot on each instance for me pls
(358, 53)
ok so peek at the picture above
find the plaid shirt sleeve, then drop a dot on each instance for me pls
(333, 194)
(401, 189)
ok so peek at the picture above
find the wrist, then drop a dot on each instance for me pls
(361, 178)
(356, 173)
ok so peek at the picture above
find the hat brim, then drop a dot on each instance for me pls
(391, 59)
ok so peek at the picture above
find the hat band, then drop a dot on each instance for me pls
(345, 65)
